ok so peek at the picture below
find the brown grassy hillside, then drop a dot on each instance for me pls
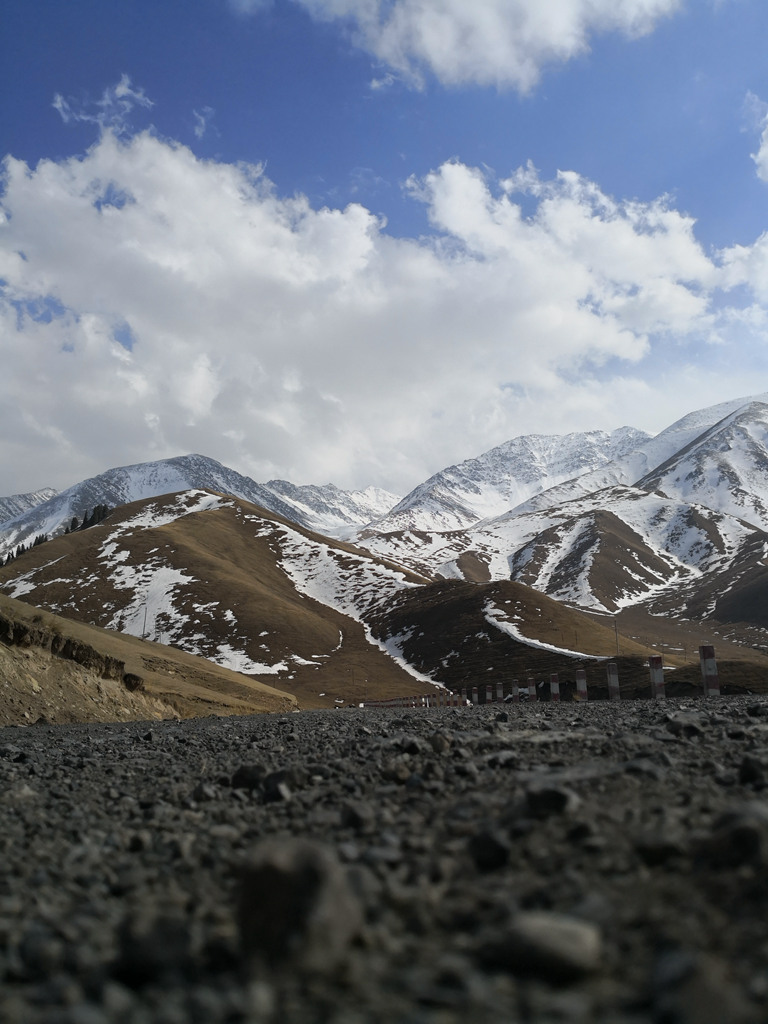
(234, 592)
(64, 671)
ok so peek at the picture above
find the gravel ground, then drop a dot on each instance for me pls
(568, 863)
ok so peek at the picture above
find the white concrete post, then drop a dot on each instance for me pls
(515, 692)
(658, 688)
(499, 692)
(489, 693)
(614, 692)
(709, 677)
(475, 695)
(554, 686)
(532, 688)
(581, 684)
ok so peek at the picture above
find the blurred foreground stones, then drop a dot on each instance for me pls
(556, 863)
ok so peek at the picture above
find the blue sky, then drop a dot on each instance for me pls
(360, 240)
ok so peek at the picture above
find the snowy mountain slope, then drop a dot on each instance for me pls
(119, 486)
(724, 467)
(473, 634)
(330, 510)
(596, 541)
(226, 580)
(607, 521)
(18, 504)
(503, 477)
(603, 551)
(639, 466)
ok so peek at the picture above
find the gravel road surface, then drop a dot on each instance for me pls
(541, 862)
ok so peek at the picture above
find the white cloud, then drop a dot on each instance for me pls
(155, 303)
(202, 121)
(503, 43)
(109, 112)
(250, 6)
(756, 118)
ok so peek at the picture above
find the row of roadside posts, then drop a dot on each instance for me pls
(494, 693)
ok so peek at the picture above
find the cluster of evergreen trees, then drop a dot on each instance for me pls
(89, 519)
(99, 513)
(41, 538)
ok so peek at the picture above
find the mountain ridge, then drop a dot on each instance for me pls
(18, 504)
(689, 537)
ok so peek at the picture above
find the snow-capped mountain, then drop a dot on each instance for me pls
(638, 465)
(224, 579)
(325, 511)
(693, 519)
(601, 520)
(724, 468)
(505, 476)
(18, 504)
(604, 551)
(330, 510)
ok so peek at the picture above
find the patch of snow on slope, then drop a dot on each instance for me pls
(349, 583)
(152, 588)
(24, 584)
(393, 646)
(495, 617)
(153, 516)
(237, 661)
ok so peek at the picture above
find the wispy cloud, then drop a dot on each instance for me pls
(755, 116)
(202, 121)
(249, 6)
(111, 111)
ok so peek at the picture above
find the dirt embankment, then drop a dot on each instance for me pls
(16, 633)
(58, 670)
(48, 676)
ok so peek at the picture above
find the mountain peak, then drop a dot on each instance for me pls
(504, 476)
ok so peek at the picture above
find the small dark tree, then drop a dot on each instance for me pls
(99, 513)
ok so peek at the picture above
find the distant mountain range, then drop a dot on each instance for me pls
(676, 522)
(226, 580)
(662, 530)
(18, 504)
(500, 479)
(327, 510)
